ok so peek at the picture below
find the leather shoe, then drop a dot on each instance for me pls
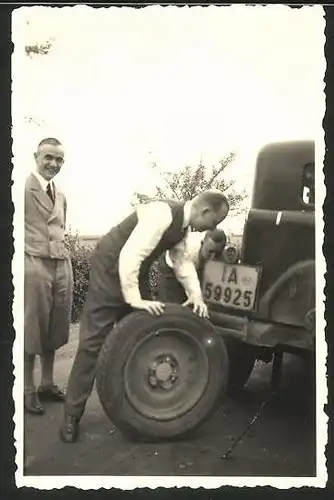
(32, 404)
(69, 430)
(50, 393)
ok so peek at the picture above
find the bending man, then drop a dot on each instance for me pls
(118, 279)
(181, 267)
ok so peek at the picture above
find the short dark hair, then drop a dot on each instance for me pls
(216, 235)
(215, 199)
(49, 140)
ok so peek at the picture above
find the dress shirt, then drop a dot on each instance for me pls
(184, 260)
(44, 183)
(154, 218)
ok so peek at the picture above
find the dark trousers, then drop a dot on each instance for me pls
(91, 339)
(101, 311)
(170, 289)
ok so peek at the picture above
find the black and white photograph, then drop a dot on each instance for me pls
(168, 269)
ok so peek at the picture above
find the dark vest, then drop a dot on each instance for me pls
(110, 245)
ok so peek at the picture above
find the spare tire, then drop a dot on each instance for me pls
(161, 377)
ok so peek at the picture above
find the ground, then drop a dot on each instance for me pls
(281, 442)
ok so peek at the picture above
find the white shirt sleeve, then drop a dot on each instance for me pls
(153, 220)
(184, 259)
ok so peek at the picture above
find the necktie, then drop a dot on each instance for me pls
(49, 193)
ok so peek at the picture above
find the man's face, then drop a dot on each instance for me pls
(207, 218)
(49, 160)
(211, 249)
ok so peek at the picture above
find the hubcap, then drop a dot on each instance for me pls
(163, 372)
(166, 374)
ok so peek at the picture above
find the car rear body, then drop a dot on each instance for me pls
(267, 297)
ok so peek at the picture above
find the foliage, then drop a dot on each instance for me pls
(81, 258)
(154, 279)
(39, 48)
(188, 181)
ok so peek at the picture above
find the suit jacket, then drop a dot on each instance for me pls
(44, 222)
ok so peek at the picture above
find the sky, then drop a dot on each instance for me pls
(122, 87)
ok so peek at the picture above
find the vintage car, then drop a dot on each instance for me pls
(162, 377)
(266, 300)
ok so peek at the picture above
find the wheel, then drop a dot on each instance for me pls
(161, 377)
(241, 364)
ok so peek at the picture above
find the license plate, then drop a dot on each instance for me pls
(230, 285)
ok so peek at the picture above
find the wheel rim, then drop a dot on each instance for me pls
(166, 374)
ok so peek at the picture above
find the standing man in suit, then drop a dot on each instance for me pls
(118, 282)
(192, 252)
(48, 280)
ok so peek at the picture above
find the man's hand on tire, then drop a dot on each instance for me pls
(199, 306)
(151, 306)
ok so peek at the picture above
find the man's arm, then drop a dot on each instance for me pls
(153, 220)
(184, 258)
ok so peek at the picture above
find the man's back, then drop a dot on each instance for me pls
(111, 244)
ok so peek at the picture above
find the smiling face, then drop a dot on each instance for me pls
(49, 160)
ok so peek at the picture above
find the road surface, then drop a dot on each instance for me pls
(281, 443)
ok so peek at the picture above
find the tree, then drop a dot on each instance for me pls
(39, 48)
(188, 181)
(81, 255)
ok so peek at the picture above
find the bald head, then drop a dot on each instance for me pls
(211, 199)
(208, 209)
